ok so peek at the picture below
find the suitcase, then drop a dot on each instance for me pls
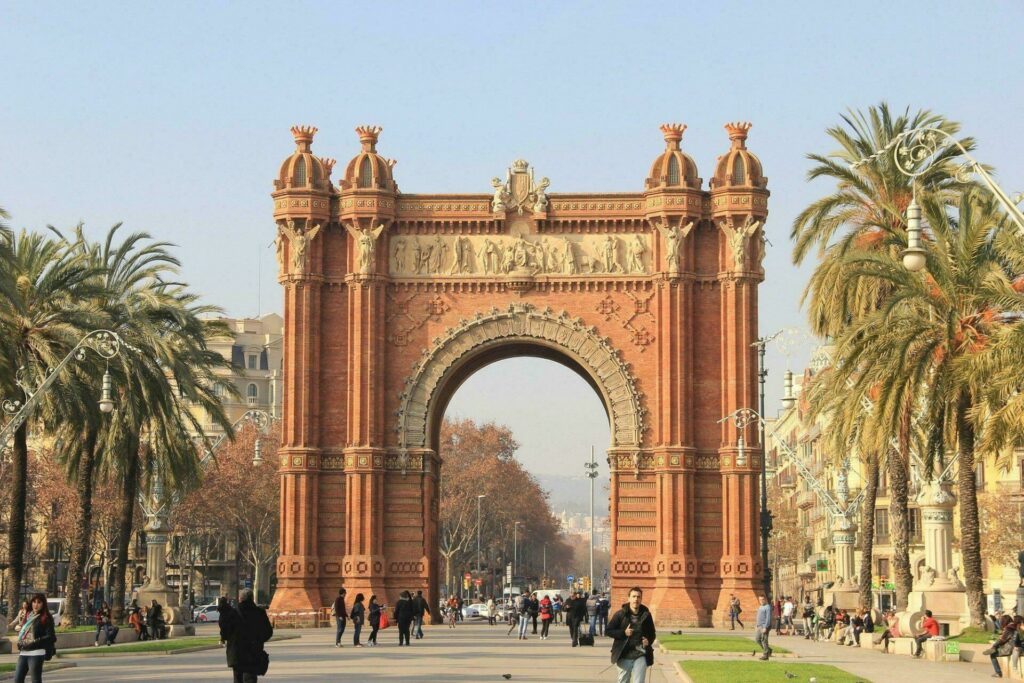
(586, 639)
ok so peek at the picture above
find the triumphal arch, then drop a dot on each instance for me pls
(393, 299)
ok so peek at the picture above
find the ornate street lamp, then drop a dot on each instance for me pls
(106, 343)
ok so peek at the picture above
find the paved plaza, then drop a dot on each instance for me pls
(476, 653)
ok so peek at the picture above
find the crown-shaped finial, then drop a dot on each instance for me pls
(673, 133)
(328, 164)
(303, 136)
(368, 137)
(520, 165)
(738, 132)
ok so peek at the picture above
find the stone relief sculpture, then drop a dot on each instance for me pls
(673, 236)
(498, 203)
(540, 204)
(518, 192)
(366, 241)
(299, 241)
(953, 577)
(462, 255)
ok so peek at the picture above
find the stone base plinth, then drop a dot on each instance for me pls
(842, 599)
(5, 646)
(949, 608)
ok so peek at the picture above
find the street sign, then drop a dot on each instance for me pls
(508, 573)
(248, 583)
(478, 582)
(467, 576)
(570, 578)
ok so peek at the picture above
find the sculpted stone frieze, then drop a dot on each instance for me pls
(524, 254)
(518, 323)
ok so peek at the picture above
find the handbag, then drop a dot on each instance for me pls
(384, 621)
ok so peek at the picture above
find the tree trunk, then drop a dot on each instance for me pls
(130, 489)
(970, 535)
(899, 516)
(83, 526)
(868, 530)
(16, 528)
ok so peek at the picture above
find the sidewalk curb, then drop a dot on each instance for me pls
(47, 668)
(682, 674)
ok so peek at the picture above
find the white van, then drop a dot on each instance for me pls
(56, 607)
(551, 593)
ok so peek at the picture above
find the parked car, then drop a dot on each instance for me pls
(476, 610)
(208, 613)
(56, 607)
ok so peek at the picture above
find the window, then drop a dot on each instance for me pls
(300, 172)
(882, 527)
(366, 173)
(252, 393)
(883, 569)
(739, 171)
(219, 390)
(673, 170)
(914, 522)
(252, 361)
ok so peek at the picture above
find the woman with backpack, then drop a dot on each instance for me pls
(547, 613)
(358, 617)
(37, 641)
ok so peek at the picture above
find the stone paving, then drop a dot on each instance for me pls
(477, 653)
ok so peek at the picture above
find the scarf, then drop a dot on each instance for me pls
(27, 625)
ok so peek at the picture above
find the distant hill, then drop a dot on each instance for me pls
(572, 493)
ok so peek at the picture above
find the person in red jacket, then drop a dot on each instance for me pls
(546, 614)
(931, 628)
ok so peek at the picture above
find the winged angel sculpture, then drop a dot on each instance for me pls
(299, 241)
(738, 238)
(366, 240)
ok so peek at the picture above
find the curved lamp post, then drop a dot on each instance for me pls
(106, 343)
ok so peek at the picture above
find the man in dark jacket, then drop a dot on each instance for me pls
(632, 627)
(245, 630)
(404, 614)
(576, 616)
(340, 616)
(421, 610)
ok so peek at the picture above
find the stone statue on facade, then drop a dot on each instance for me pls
(540, 203)
(463, 262)
(366, 241)
(491, 257)
(416, 255)
(569, 261)
(398, 255)
(610, 254)
(299, 242)
(498, 203)
(738, 238)
(673, 236)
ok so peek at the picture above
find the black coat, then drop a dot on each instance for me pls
(404, 610)
(245, 630)
(42, 636)
(576, 610)
(421, 606)
(616, 629)
(375, 612)
(358, 614)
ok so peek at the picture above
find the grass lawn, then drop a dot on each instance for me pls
(4, 668)
(764, 672)
(695, 642)
(975, 635)
(145, 646)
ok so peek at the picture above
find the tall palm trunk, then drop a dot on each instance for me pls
(16, 526)
(868, 530)
(130, 491)
(970, 535)
(896, 468)
(83, 525)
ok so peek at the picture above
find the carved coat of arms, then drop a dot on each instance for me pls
(519, 191)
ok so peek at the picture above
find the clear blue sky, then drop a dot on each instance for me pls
(173, 117)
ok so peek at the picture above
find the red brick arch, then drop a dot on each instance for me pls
(392, 300)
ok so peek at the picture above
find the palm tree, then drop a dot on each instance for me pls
(42, 317)
(866, 213)
(920, 347)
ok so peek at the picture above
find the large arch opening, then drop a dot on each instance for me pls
(555, 412)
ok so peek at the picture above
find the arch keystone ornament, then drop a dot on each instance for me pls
(393, 300)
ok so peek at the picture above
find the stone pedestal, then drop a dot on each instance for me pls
(845, 593)
(938, 587)
(155, 588)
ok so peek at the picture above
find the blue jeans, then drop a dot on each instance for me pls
(761, 637)
(418, 625)
(593, 625)
(631, 670)
(355, 636)
(339, 629)
(27, 665)
(524, 622)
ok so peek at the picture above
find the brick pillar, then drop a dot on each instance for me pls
(363, 566)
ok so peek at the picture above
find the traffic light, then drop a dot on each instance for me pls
(585, 582)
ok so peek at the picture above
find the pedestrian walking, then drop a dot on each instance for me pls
(534, 610)
(452, 611)
(734, 612)
(404, 614)
(105, 626)
(1004, 645)
(559, 606)
(1018, 645)
(603, 608)
(458, 608)
(22, 615)
(245, 629)
(492, 610)
(787, 616)
(422, 611)
(375, 610)
(578, 614)
(763, 627)
(632, 629)
(37, 640)
(358, 617)
(524, 615)
(340, 614)
(777, 616)
(592, 612)
(807, 612)
(546, 614)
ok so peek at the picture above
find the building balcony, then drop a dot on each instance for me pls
(806, 499)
